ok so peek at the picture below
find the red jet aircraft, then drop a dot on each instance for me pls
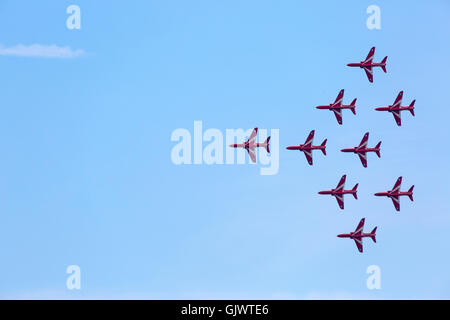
(395, 193)
(362, 150)
(367, 64)
(308, 147)
(250, 145)
(396, 108)
(339, 192)
(358, 235)
(337, 106)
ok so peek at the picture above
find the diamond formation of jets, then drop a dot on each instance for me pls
(339, 192)
(395, 193)
(308, 147)
(396, 108)
(362, 150)
(337, 106)
(358, 235)
(368, 64)
(250, 145)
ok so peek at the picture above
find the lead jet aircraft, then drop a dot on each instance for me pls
(308, 147)
(368, 64)
(396, 108)
(339, 192)
(358, 235)
(250, 145)
(337, 106)
(362, 150)
(395, 193)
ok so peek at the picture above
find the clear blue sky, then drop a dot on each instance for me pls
(85, 170)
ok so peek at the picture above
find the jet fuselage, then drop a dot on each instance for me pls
(362, 64)
(331, 106)
(333, 192)
(393, 194)
(248, 145)
(303, 147)
(390, 109)
(353, 235)
(357, 150)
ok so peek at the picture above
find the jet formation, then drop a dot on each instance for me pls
(337, 106)
(361, 150)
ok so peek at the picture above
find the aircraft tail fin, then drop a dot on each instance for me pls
(411, 195)
(374, 235)
(324, 145)
(355, 190)
(353, 106)
(384, 64)
(411, 107)
(267, 144)
(378, 149)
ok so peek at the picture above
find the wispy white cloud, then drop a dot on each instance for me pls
(41, 51)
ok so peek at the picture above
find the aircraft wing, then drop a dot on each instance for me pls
(341, 183)
(364, 140)
(397, 117)
(308, 155)
(252, 154)
(363, 158)
(338, 114)
(398, 100)
(340, 200)
(310, 139)
(359, 244)
(369, 72)
(397, 185)
(396, 202)
(252, 138)
(360, 227)
(339, 98)
(370, 55)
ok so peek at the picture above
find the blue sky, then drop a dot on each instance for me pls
(86, 176)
